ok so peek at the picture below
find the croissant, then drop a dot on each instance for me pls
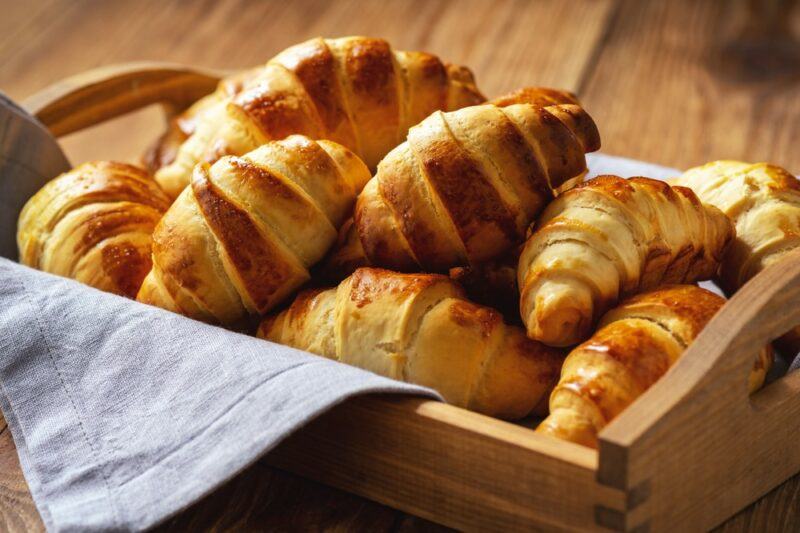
(764, 202)
(466, 184)
(543, 97)
(609, 238)
(242, 237)
(634, 346)
(349, 253)
(355, 91)
(93, 224)
(405, 326)
(181, 127)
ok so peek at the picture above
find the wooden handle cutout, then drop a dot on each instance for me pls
(715, 367)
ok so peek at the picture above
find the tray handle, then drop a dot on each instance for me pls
(697, 431)
(721, 357)
(95, 96)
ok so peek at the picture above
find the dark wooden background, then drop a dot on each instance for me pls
(675, 82)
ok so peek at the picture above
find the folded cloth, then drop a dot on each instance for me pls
(124, 414)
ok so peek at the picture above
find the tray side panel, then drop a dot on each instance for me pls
(449, 465)
(697, 477)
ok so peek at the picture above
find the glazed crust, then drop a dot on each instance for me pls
(634, 345)
(466, 185)
(610, 238)
(93, 224)
(242, 237)
(763, 200)
(404, 326)
(165, 149)
(349, 254)
(355, 91)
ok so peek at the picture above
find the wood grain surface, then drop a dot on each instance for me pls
(677, 83)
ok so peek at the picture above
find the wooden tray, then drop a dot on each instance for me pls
(688, 454)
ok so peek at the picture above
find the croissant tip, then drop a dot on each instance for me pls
(559, 327)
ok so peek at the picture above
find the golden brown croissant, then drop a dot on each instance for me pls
(349, 254)
(94, 224)
(242, 237)
(634, 346)
(764, 202)
(466, 184)
(609, 238)
(405, 326)
(542, 97)
(355, 91)
(165, 149)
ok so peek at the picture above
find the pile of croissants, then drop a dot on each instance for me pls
(437, 238)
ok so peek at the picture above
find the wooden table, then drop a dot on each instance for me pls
(677, 83)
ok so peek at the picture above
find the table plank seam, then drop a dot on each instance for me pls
(594, 57)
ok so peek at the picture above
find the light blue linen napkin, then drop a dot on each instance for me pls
(124, 414)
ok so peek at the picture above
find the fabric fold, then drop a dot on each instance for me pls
(124, 414)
